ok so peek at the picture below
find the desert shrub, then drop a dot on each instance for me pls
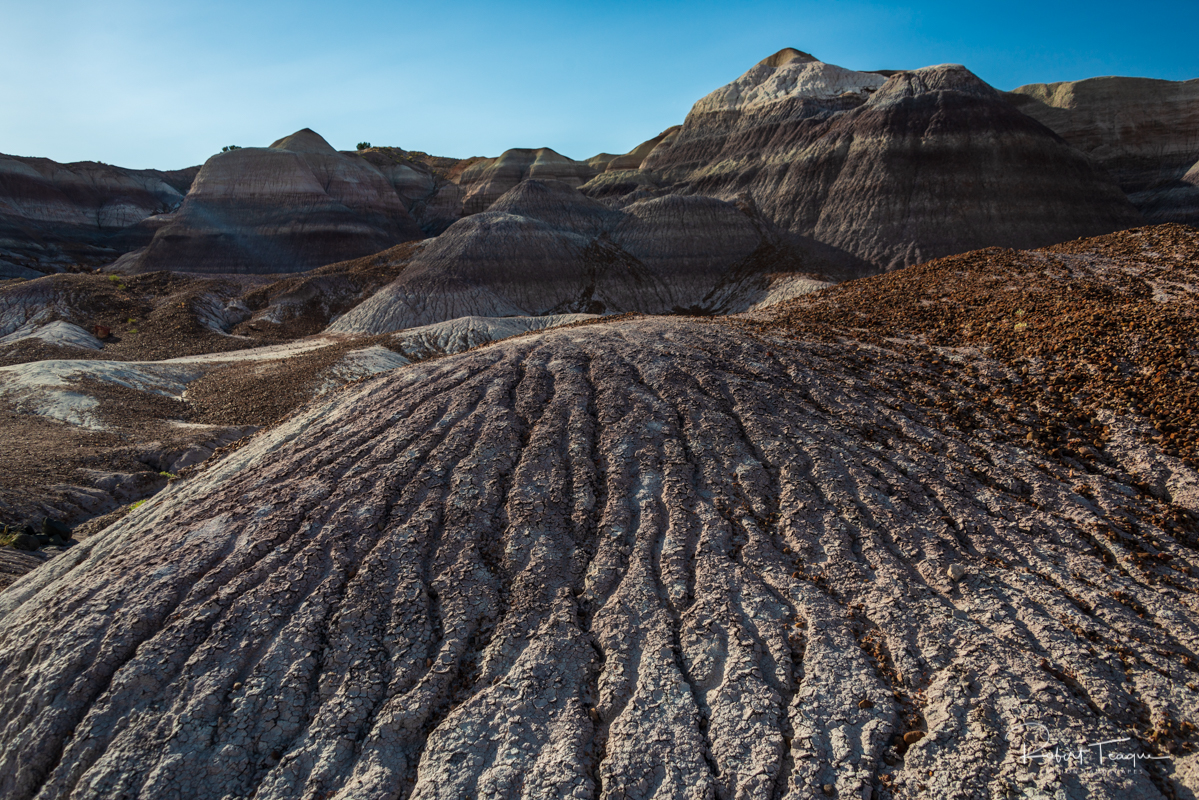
(230, 147)
(364, 145)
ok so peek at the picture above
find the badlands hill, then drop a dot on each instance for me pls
(295, 205)
(893, 170)
(544, 248)
(874, 170)
(486, 180)
(53, 216)
(855, 544)
(1143, 132)
(380, 474)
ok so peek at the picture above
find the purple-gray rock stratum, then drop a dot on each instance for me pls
(607, 162)
(545, 248)
(425, 184)
(894, 170)
(485, 180)
(1143, 132)
(557, 204)
(54, 216)
(295, 205)
(640, 559)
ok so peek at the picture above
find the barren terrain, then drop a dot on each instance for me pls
(820, 551)
(587, 479)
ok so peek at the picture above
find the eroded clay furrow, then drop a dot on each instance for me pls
(649, 559)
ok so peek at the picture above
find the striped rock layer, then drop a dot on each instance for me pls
(1142, 131)
(290, 207)
(893, 170)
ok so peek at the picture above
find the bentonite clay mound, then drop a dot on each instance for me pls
(484, 181)
(54, 216)
(640, 559)
(545, 248)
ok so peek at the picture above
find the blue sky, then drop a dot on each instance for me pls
(166, 84)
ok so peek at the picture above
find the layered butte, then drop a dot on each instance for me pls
(56, 215)
(295, 205)
(1143, 132)
(484, 181)
(894, 170)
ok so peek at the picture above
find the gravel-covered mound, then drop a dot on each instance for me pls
(642, 559)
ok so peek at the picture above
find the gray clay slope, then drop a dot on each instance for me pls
(641, 559)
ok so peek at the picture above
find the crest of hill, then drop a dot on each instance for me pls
(305, 140)
(788, 55)
(786, 75)
(631, 160)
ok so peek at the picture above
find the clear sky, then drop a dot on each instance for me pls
(165, 84)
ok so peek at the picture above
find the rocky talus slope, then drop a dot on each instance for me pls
(56, 216)
(893, 170)
(833, 550)
(1143, 132)
(290, 207)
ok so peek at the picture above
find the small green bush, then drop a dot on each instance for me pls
(364, 145)
(229, 148)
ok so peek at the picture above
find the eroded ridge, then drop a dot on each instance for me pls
(643, 559)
